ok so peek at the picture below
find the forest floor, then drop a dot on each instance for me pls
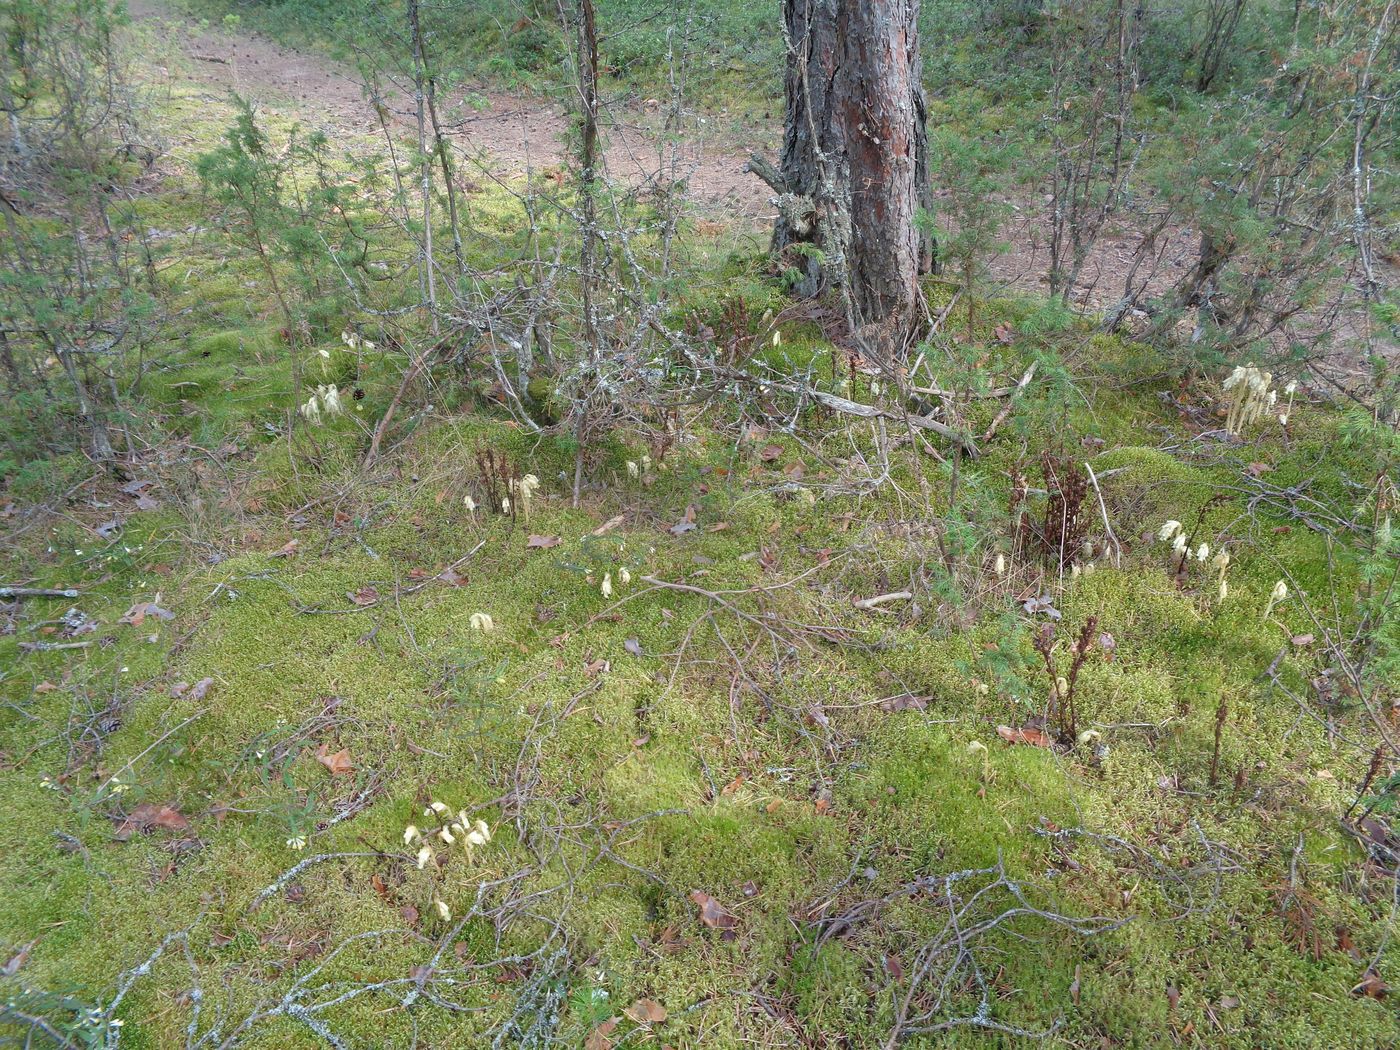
(759, 729)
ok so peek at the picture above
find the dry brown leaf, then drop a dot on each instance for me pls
(598, 1039)
(16, 961)
(146, 817)
(542, 542)
(687, 522)
(646, 1011)
(904, 702)
(712, 913)
(198, 691)
(1024, 735)
(1371, 986)
(136, 615)
(338, 763)
(364, 596)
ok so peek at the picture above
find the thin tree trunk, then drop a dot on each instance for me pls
(424, 159)
(99, 439)
(588, 210)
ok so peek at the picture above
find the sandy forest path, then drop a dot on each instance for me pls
(512, 134)
(508, 134)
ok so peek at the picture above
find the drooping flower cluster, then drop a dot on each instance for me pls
(1222, 562)
(1247, 390)
(637, 470)
(355, 341)
(524, 489)
(623, 579)
(452, 830)
(324, 404)
(1174, 532)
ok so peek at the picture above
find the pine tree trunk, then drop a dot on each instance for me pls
(854, 169)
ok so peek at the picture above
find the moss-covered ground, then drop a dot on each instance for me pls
(203, 827)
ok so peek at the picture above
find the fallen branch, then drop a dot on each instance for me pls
(297, 868)
(847, 407)
(7, 591)
(869, 604)
(50, 647)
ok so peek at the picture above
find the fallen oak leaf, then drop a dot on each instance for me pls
(338, 763)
